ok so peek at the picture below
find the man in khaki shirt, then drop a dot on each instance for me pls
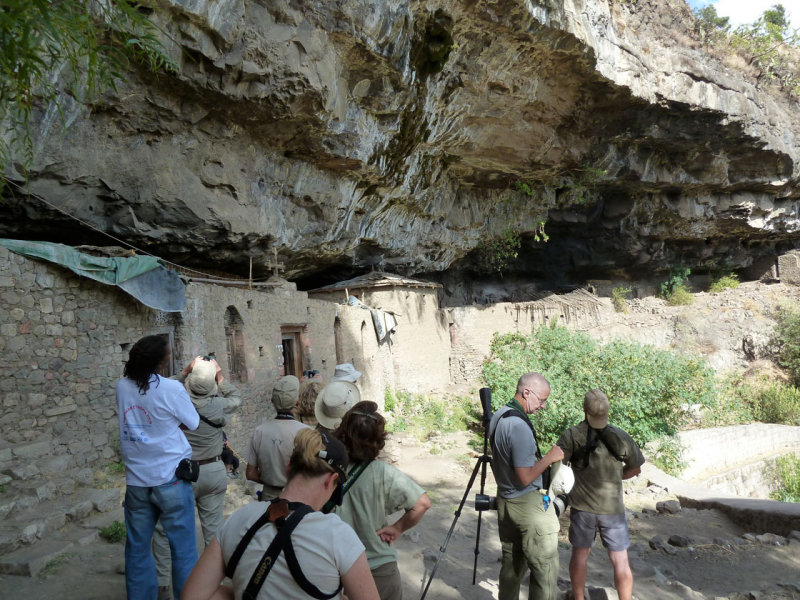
(272, 442)
(601, 456)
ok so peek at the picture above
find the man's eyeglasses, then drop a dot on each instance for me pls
(538, 398)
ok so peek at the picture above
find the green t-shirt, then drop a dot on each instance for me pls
(377, 493)
(598, 484)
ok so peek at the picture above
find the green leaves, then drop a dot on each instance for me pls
(786, 338)
(763, 43)
(650, 389)
(74, 47)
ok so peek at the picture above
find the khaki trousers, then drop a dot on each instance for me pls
(529, 539)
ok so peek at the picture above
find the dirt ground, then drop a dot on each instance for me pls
(717, 563)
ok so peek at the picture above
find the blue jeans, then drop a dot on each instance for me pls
(173, 503)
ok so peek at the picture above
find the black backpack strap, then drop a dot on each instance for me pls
(594, 437)
(242, 546)
(514, 412)
(301, 580)
(282, 541)
(351, 479)
(208, 421)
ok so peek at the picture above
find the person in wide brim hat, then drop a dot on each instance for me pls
(334, 401)
(345, 372)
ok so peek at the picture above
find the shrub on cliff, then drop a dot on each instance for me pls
(651, 390)
(786, 339)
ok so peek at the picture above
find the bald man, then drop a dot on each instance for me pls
(528, 528)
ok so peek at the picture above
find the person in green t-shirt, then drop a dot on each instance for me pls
(375, 490)
(601, 456)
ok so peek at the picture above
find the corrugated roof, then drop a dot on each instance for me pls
(374, 280)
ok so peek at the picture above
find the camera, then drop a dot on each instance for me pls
(484, 502)
(560, 503)
(309, 374)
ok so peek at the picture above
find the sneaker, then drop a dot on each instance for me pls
(233, 474)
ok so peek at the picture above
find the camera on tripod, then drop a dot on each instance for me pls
(486, 502)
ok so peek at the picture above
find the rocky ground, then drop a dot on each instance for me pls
(690, 554)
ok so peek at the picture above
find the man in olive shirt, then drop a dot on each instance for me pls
(601, 456)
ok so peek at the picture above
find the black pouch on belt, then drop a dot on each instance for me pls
(188, 470)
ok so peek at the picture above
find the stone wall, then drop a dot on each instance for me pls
(416, 357)
(472, 327)
(263, 312)
(64, 340)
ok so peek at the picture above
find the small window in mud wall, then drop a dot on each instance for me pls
(234, 342)
(293, 349)
(338, 342)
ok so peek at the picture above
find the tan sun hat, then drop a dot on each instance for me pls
(595, 405)
(202, 381)
(286, 393)
(333, 401)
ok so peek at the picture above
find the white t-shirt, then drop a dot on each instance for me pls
(150, 439)
(325, 546)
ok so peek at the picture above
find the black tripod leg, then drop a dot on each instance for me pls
(481, 463)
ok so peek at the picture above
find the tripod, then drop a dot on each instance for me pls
(486, 404)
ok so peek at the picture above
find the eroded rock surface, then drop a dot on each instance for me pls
(401, 134)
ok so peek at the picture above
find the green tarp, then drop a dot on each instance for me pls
(141, 276)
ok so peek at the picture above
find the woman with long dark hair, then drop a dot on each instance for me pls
(284, 548)
(377, 490)
(152, 410)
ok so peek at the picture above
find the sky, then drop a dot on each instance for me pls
(747, 11)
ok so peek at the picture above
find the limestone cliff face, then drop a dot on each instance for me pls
(352, 133)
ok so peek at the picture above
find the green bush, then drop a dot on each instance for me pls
(114, 533)
(776, 402)
(786, 338)
(422, 414)
(675, 290)
(649, 388)
(731, 404)
(618, 297)
(786, 475)
(724, 282)
(680, 296)
(763, 400)
(667, 455)
(388, 400)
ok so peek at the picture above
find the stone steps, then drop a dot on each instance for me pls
(46, 520)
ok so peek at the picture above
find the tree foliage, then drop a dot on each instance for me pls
(650, 389)
(764, 42)
(786, 338)
(50, 50)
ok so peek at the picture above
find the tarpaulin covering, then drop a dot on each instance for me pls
(143, 277)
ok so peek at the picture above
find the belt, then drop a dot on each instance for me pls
(208, 461)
